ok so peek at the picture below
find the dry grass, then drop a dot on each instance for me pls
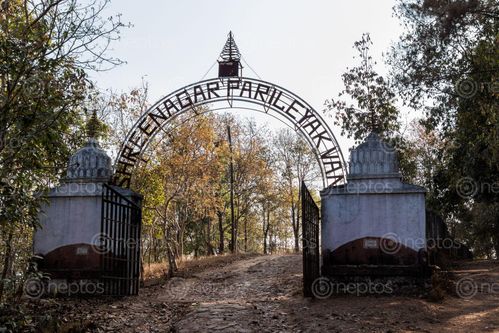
(189, 266)
(155, 271)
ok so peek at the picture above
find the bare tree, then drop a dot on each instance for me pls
(297, 163)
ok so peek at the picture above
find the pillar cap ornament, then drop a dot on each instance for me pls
(90, 164)
(373, 158)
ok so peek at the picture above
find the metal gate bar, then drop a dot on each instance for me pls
(120, 235)
(310, 238)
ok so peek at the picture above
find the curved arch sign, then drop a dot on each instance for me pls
(235, 92)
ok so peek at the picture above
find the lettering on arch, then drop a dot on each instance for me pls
(232, 91)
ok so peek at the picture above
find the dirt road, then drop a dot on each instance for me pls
(263, 294)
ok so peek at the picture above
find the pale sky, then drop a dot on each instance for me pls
(303, 46)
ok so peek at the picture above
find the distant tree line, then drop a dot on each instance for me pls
(187, 183)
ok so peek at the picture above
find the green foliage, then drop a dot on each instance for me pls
(436, 54)
(374, 107)
(446, 63)
(373, 97)
(46, 48)
(481, 229)
(94, 127)
(186, 185)
(295, 161)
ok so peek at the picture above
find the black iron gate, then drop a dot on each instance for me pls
(310, 232)
(120, 241)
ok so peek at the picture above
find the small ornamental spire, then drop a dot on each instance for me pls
(94, 126)
(90, 164)
(230, 51)
(229, 63)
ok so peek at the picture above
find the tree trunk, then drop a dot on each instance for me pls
(149, 252)
(264, 224)
(142, 278)
(172, 265)
(154, 252)
(181, 235)
(7, 262)
(294, 222)
(296, 233)
(297, 240)
(231, 177)
(169, 238)
(209, 248)
(221, 245)
(245, 235)
(266, 230)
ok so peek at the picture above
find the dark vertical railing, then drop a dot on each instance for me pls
(310, 239)
(120, 228)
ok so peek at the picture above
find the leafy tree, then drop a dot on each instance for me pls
(185, 183)
(46, 49)
(446, 64)
(367, 104)
(434, 56)
(373, 107)
(296, 163)
(250, 169)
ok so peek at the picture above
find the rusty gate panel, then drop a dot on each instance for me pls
(310, 237)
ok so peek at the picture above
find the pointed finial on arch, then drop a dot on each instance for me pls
(230, 52)
(229, 63)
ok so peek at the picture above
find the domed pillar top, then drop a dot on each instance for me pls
(90, 164)
(373, 158)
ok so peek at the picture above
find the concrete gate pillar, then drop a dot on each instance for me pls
(375, 218)
(69, 236)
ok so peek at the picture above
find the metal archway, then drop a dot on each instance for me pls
(234, 92)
